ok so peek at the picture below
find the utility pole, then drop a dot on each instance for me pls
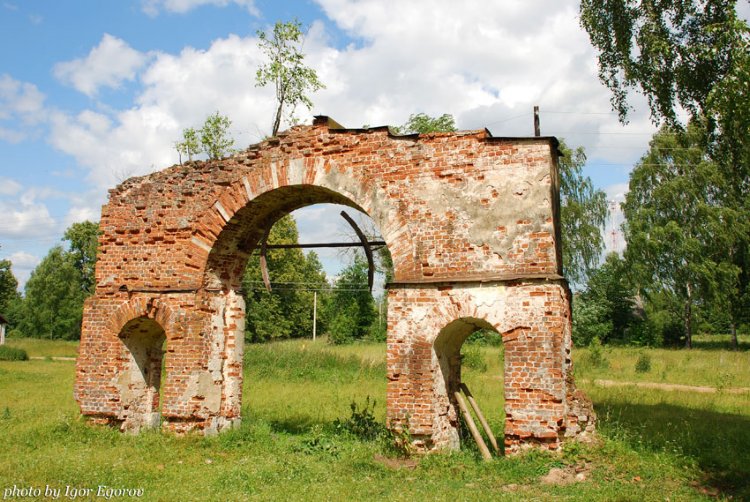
(315, 314)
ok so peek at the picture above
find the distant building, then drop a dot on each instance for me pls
(3, 323)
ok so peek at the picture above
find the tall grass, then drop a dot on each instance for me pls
(654, 444)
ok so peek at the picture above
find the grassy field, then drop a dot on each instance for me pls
(655, 444)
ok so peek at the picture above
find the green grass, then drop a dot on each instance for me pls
(12, 354)
(705, 365)
(45, 348)
(654, 443)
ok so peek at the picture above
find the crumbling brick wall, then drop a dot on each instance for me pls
(471, 221)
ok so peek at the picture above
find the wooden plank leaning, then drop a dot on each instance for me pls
(473, 427)
(481, 418)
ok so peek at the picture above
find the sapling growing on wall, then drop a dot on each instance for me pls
(292, 79)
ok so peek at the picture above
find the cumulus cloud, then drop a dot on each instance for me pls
(23, 263)
(25, 221)
(486, 64)
(153, 7)
(107, 65)
(21, 106)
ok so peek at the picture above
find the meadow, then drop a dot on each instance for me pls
(300, 439)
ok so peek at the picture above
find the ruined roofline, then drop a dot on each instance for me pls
(333, 126)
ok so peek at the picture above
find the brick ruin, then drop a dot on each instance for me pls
(471, 221)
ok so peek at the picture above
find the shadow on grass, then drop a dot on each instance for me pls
(742, 346)
(297, 424)
(719, 443)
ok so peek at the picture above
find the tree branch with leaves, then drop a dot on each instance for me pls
(292, 80)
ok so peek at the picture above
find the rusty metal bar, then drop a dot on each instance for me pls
(368, 250)
(263, 262)
(325, 245)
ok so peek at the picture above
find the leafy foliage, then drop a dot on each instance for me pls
(692, 54)
(8, 289)
(583, 214)
(285, 69)
(287, 311)
(190, 144)
(352, 305)
(215, 136)
(53, 304)
(422, 123)
(674, 51)
(84, 241)
(677, 230)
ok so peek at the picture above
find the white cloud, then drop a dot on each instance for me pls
(77, 214)
(22, 259)
(107, 65)
(23, 263)
(152, 7)
(25, 221)
(485, 63)
(21, 105)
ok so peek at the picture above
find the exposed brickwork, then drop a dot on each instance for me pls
(471, 222)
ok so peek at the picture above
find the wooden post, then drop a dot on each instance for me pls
(537, 130)
(481, 418)
(315, 313)
(473, 427)
(2, 333)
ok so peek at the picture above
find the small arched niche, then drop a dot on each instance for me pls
(140, 382)
(448, 350)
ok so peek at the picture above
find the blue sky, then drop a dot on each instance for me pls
(92, 92)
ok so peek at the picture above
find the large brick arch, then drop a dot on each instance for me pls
(472, 223)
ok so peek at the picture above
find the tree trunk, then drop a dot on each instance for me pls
(276, 121)
(733, 329)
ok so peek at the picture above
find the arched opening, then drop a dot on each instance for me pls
(238, 245)
(140, 382)
(475, 363)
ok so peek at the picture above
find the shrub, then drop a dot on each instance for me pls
(643, 364)
(343, 326)
(362, 423)
(596, 353)
(12, 354)
(472, 357)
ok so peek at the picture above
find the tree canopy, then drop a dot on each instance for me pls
(287, 311)
(583, 214)
(422, 123)
(676, 229)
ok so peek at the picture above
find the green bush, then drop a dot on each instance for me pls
(472, 357)
(643, 364)
(343, 326)
(12, 354)
(362, 423)
(596, 354)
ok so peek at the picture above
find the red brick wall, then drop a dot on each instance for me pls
(452, 207)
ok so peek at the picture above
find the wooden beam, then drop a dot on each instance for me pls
(486, 455)
(481, 418)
